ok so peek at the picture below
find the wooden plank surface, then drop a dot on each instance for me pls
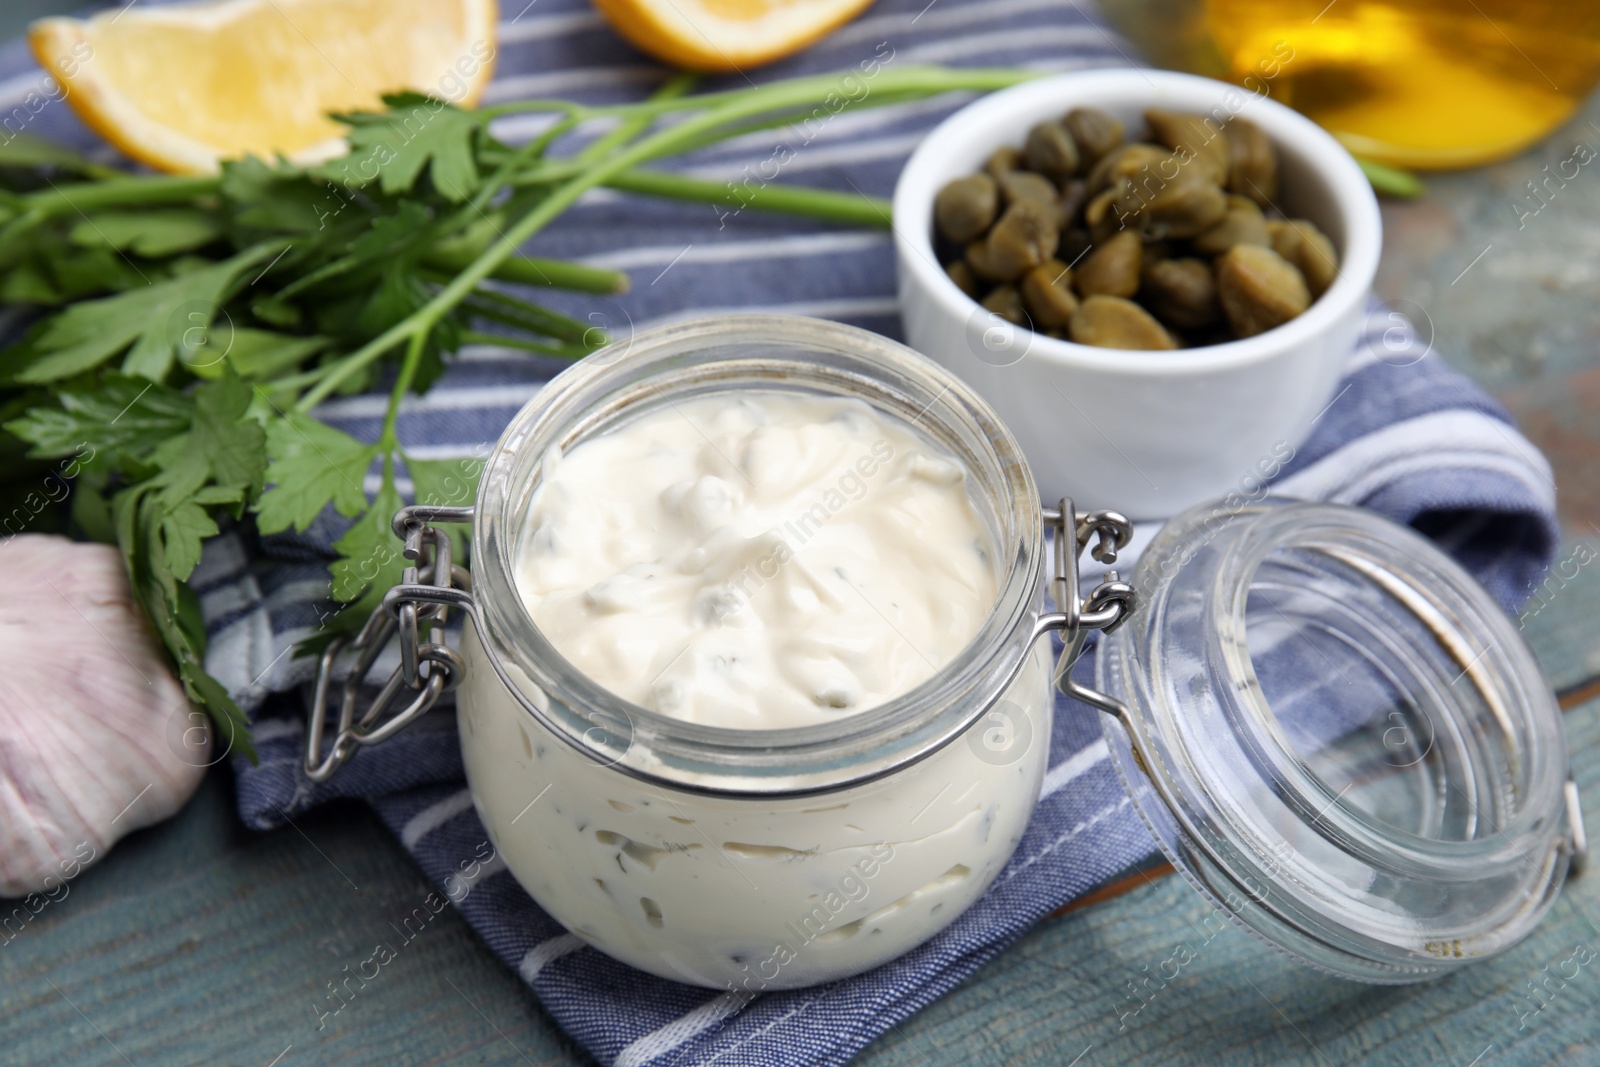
(199, 942)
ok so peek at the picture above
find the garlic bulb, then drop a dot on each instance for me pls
(96, 736)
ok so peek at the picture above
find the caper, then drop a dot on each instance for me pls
(1185, 206)
(1315, 257)
(1112, 269)
(1066, 232)
(1051, 151)
(1094, 131)
(1026, 185)
(1074, 194)
(1002, 160)
(1284, 238)
(1181, 292)
(1308, 248)
(1006, 302)
(1252, 162)
(1075, 244)
(1196, 141)
(1025, 236)
(1129, 161)
(1100, 215)
(1112, 322)
(980, 261)
(1154, 250)
(966, 207)
(1259, 289)
(965, 280)
(1047, 293)
(1242, 224)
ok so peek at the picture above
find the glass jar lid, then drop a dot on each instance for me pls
(1339, 738)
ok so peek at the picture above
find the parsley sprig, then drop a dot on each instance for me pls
(184, 329)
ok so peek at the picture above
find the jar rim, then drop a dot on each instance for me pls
(771, 352)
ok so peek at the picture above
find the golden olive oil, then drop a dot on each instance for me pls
(1419, 83)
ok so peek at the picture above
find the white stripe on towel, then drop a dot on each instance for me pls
(434, 816)
(541, 27)
(843, 307)
(810, 244)
(558, 83)
(1474, 440)
(457, 886)
(14, 90)
(1074, 766)
(1004, 41)
(373, 405)
(274, 729)
(845, 124)
(812, 158)
(664, 1040)
(519, 129)
(545, 953)
(986, 12)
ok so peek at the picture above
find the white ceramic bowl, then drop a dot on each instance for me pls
(1148, 433)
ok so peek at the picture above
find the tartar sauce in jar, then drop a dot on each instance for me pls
(754, 560)
(770, 561)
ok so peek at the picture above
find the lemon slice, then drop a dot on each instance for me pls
(726, 35)
(183, 87)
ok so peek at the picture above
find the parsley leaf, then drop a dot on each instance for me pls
(235, 446)
(121, 415)
(447, 483)
(382, 245)
(180, 469)
(278, 199)
(253, 354)
(209, 693)
(312, 465)
(369, 555)
(183, 528)
(394, 146)
(153, 232)
(154, 320)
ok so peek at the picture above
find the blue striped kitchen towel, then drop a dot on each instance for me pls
(1406, 435)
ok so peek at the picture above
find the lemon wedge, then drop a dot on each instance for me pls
(184, 87)
(726, 35)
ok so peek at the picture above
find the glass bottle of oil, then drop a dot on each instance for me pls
(1417, 83)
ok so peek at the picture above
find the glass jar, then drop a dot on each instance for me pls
(767, 859)
(751, 859)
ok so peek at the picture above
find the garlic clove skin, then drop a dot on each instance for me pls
(97, 738)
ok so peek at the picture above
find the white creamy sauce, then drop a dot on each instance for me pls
(766, 561)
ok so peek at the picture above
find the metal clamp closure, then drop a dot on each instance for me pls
(1108, 604)
(428, 669)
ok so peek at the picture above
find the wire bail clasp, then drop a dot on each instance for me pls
(1107, 606)
(429, 587)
